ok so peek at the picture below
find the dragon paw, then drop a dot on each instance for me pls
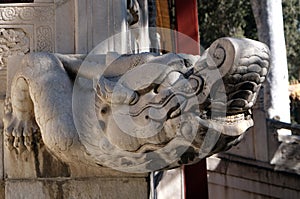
(18, 133)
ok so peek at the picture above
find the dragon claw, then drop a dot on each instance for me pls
(19, 134)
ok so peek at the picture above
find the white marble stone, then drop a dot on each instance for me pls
(129, 124)
(112, 188)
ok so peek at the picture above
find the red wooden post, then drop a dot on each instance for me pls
(187, 23)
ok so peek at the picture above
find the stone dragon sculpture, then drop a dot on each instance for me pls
(136, 113)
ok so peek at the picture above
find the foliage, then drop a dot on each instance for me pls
(221, 18)
(291, 17)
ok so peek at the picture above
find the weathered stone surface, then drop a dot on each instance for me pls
(106, 188)
(32, 164)
(31, 24)
(134, 113)
(76, 26)
(287, 156)
(239, 177)
(1, 143)
(30, 189)
(2, 190)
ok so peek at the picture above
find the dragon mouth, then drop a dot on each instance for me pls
(213, 96)
(232, 125)
(223, 120)
(221, 117)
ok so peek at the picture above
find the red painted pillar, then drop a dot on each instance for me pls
(187, 24)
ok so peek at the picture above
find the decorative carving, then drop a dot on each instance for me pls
(25, 28)
(44, 39)
(132, 12)
(140, 112)
(12, 14)
(27, 13)
(44, 13)
(287, 156)
(13, 41)
(9, 13)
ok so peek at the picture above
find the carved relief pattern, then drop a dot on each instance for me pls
(8, 14)
(24, 29)
(26, 13)
(13, 41)
(44, 39)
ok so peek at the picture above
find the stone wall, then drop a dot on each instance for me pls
(245, 171)
(237, 177)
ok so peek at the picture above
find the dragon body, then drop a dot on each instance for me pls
(136, 113)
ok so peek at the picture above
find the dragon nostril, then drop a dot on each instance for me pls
(155, 89)
(104, 110)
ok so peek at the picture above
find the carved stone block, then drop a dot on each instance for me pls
(26, 28)
(80, 188)
(135, 113)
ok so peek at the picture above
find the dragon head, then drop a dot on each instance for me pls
(179, 108)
